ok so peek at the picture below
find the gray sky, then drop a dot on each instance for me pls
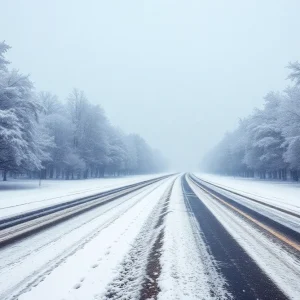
(180, 73)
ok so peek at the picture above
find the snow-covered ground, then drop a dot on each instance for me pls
(112, 251)
(278, 193)
(104, 254)
(78, 258)
(22, 195)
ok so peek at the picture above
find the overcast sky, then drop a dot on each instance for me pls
(180, 73)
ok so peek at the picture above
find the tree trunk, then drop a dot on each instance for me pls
(101, 171)
(295, 175)
(284, 174)
(5, 175)
(51, 172)
(86, 174)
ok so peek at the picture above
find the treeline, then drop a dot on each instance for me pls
(41, 136)
(266, 144)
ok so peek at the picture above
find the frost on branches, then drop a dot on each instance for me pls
(267, 143)
(42, 137)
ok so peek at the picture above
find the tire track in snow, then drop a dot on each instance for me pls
(189, 271)
(140, 268)
(150, 286)
(39, 275)
(61, 235)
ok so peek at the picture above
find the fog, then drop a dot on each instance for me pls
(180, 73)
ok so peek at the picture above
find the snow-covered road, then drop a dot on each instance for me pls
(27, 262)
(268, 268)
(169, 240)
(24, 195)
(283, 194)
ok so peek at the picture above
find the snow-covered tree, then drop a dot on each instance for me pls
(270, 138)
(131, 160)
(43, 136)
(22, 141)
(295, 72)
(3, 62)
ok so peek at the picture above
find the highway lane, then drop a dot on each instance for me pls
(286, 228)
(172, 239)
(245, 196)
(26, 223)
(27, 261)
(256, 263)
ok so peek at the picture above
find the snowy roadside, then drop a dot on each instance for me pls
(278, 193)
(86, 273)
(22, 195)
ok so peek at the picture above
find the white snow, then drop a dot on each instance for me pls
(132, 273)
(81, 257)
(188, 270)
(278, 193)
(22, 195)
(81, 261)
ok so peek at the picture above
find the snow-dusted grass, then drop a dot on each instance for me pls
(22, 195)
(86, 272)
(282, 267)
(278, 193)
